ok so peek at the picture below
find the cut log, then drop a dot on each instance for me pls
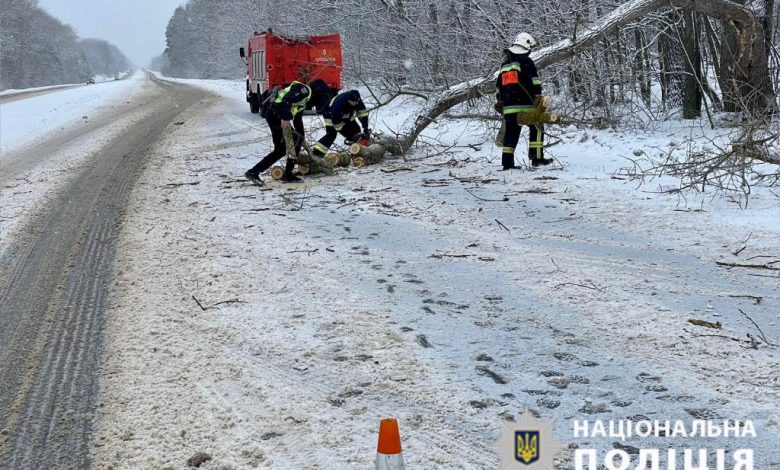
(277, 172)
(314, 164)
(534, 118)
(362, 156)
(539, 115)
(289, 141)
(501, 134)
(373, 150)
(355, 149)
(339, 159)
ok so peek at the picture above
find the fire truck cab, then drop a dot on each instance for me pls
(274, 61)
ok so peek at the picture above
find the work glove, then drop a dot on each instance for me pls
(366, 133)
(499, 108)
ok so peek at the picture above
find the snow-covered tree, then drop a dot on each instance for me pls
(103, 58)
(660, 61)
(37, 50)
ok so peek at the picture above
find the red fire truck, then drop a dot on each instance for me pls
(274, 61)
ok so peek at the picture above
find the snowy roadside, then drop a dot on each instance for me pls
(16, 91)
(97, 78)
(274, 327)
(33, 119)
(26, 120)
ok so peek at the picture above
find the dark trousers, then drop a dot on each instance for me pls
(280, 147)
(512, 137)
(349, 131)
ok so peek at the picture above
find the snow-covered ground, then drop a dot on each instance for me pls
(14, 91)
(97, 78)
(273, 327)
(34, 119)
(23, 121)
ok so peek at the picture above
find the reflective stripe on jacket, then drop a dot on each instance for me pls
(518, 84)
(292, 100)
(340, 111)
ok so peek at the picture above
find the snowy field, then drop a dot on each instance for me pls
(274, 327)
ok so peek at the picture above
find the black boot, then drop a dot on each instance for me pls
(253, 177)
(541, 161)
(508, 161)
(289, 176)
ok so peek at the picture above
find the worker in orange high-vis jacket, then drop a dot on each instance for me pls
(517, 87)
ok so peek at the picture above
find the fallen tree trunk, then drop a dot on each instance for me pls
(309, 164)
(750, 69)
(306, 166)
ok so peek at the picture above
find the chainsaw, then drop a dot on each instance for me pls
(365, 139)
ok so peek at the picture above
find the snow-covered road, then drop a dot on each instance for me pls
(62, 203)
(45, 140)
(274, 327)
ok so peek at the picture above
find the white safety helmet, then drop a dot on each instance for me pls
(523, 44)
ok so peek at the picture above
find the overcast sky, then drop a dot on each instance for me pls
(136, 27)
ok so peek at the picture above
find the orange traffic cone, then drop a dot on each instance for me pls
(388, 450)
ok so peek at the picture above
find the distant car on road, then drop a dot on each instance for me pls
(116, 77)
(91, 81)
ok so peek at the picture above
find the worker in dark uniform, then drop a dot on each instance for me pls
(284, 111)
(518, 86)
(340, 116)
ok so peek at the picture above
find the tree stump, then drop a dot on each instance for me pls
(362, 156)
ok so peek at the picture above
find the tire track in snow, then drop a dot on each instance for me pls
(53, 331)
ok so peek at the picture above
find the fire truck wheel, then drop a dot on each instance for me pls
(254, 103)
